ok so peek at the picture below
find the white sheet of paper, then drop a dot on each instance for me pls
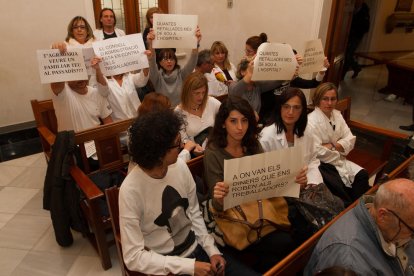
(88, 54)
(90, 148)
(121, 54)
(57, 67)
(175, 31)
(313, 57)
(274, 61)
(260, 176)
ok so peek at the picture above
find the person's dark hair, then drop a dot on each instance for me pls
(242, 66)
(154, 101)
(300, 125)
(336, 271)
(152, 135)
(256, 41)
(218, 137)
(167, 53)
(203, 57)
(101, 13)
(74, 20)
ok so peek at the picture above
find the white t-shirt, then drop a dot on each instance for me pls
(156, 217)
(79, 112)
(195, 124)
(124, 99)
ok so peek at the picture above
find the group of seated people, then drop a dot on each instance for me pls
(162, 228)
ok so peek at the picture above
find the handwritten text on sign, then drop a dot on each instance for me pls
(274, 61)
(57, 67)
(121, 54)
(313, 57)
(261, 176)
(175, 31)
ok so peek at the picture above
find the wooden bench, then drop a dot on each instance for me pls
(112, 156)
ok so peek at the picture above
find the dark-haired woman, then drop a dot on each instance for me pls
(234, 135)
(168, 77)
(253, 43)
(290, 130)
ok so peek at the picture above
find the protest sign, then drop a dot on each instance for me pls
(313, 57)
(175, 31)
(88, 54)
(121, 54)
(57, 67)
(260, 176)
(274, 61)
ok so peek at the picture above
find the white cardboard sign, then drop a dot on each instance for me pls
(313, 57)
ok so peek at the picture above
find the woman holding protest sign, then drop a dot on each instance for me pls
(168, 77)
(234, 135)
(316, 204)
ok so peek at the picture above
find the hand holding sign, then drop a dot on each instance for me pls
(175, 31)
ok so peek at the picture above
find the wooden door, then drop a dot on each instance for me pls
(337, 39)
(129, 13)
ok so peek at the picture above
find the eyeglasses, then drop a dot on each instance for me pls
(82, 27)
(401, 220)
(327, 99)
(168, 59)
(288, 107)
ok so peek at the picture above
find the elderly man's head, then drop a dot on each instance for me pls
(393, 210)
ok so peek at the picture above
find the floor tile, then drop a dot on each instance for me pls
(86, 265)
(26, 161)
(13, 199)
(32, 177)
(44, 263)
(34, 206)
(9, 173)
(23, 232)
(10, 259)
(4, 218)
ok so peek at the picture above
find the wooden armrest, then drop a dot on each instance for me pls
(377, 130)
(48, 135)
(87, 186)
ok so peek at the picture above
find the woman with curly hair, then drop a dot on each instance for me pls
(235, 135)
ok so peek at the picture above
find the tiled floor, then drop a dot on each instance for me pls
(27, 242)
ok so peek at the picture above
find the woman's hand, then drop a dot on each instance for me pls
(95, 62)
(202, 269)
(301, 178)
(61, 46)
(198, 35)
(218, 263)
(198, 150)
(221, 190)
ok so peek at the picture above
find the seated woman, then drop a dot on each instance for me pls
(167, 78)
(290, 130)
(333, 141)
(223, 70)
(198, 110)
(123, 96)
(235, 135)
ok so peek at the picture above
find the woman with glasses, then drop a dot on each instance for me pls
(289, 130)
(333, 141)
(168, 77)
(79, 34)
(253, 43)
(223, 70)
(198, 110)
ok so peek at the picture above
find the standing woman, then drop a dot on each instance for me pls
(149, 16)
(198, 108)
(223, 69)
(79, 34)
(333, 141)
(167, 78)
(252, 44)
(235, 135)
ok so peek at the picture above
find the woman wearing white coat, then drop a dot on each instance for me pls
(290, 130)
(333, 141)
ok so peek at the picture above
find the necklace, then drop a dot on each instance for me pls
(195, 109)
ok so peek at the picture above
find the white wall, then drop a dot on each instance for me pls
(26, 26)
(289, 21)
(30, 25)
